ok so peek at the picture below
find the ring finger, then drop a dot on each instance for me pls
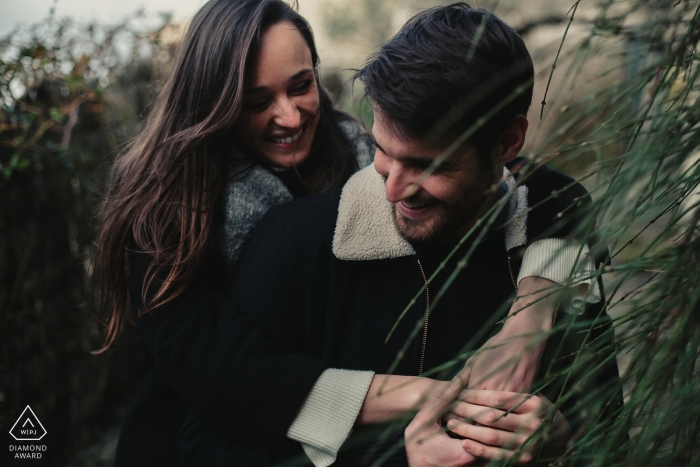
(487, 435)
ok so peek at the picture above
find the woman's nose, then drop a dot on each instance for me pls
(287, 114)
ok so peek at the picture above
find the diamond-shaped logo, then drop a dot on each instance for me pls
(28, 427)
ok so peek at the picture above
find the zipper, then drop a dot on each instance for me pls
(425, 323)
(427, 311)
(512, 277)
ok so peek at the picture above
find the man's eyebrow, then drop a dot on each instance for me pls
(422, 161)
(418, 160)
(373, 140)
(297, 75)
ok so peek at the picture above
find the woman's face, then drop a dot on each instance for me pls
(281, 103)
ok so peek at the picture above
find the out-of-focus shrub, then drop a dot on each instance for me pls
(70, 95)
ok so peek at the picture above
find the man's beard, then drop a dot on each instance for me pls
(450, 217)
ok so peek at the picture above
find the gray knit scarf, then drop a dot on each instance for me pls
(251, 191)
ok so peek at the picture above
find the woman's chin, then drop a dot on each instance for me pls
(286, 159)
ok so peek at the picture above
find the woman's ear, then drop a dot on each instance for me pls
(511, 140)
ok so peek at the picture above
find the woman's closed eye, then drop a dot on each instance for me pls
(257, 105)
(302, 87)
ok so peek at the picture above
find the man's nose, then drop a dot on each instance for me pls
(287, 114)
(399, 182)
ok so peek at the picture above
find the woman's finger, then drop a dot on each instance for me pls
(450, 416)
(504, 400)
(438, 404)
(488, 416)
(487, 435)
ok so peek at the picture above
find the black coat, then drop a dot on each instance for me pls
(301, 295)
(201, 354)
(244, 375)
(200, 351)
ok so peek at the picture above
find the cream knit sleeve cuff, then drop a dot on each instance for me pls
(328, 414)
(566, 262)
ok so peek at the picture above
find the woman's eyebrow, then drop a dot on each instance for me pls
(301, 73)
(296, 75)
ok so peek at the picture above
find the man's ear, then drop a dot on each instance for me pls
(512, 139)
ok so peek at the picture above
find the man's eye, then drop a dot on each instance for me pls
(432, 166)
(302, 87)
(426, 164)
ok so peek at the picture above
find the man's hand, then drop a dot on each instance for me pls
(427, 444)
(498, 424)
(510, 360)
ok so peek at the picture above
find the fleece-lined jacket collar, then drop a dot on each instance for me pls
(365, 229)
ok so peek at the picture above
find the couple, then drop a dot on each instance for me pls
(260, 356)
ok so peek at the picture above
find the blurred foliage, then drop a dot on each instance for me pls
(371, 20)
(70, 96)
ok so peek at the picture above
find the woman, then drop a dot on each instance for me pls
(240, 125)
(207, 148)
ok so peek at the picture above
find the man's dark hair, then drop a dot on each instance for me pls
(447, 68)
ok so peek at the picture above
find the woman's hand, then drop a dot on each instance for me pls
(499, 425)
(393, 396)
(427, 444)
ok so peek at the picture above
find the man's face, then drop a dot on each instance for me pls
(426, 208)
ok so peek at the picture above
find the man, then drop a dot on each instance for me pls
(434, 230)
(401, 271)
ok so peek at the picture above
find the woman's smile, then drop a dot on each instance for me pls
(286, 140)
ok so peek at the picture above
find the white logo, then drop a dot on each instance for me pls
(28, 427)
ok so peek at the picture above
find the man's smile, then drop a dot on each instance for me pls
(416, 210)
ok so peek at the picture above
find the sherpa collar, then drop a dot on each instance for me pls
(365, 229)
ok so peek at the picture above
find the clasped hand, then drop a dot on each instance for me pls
(495, 425)
(493, 416)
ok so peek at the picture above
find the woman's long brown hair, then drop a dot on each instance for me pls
(165, 184)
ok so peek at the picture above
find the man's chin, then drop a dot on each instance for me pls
(420, 230)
